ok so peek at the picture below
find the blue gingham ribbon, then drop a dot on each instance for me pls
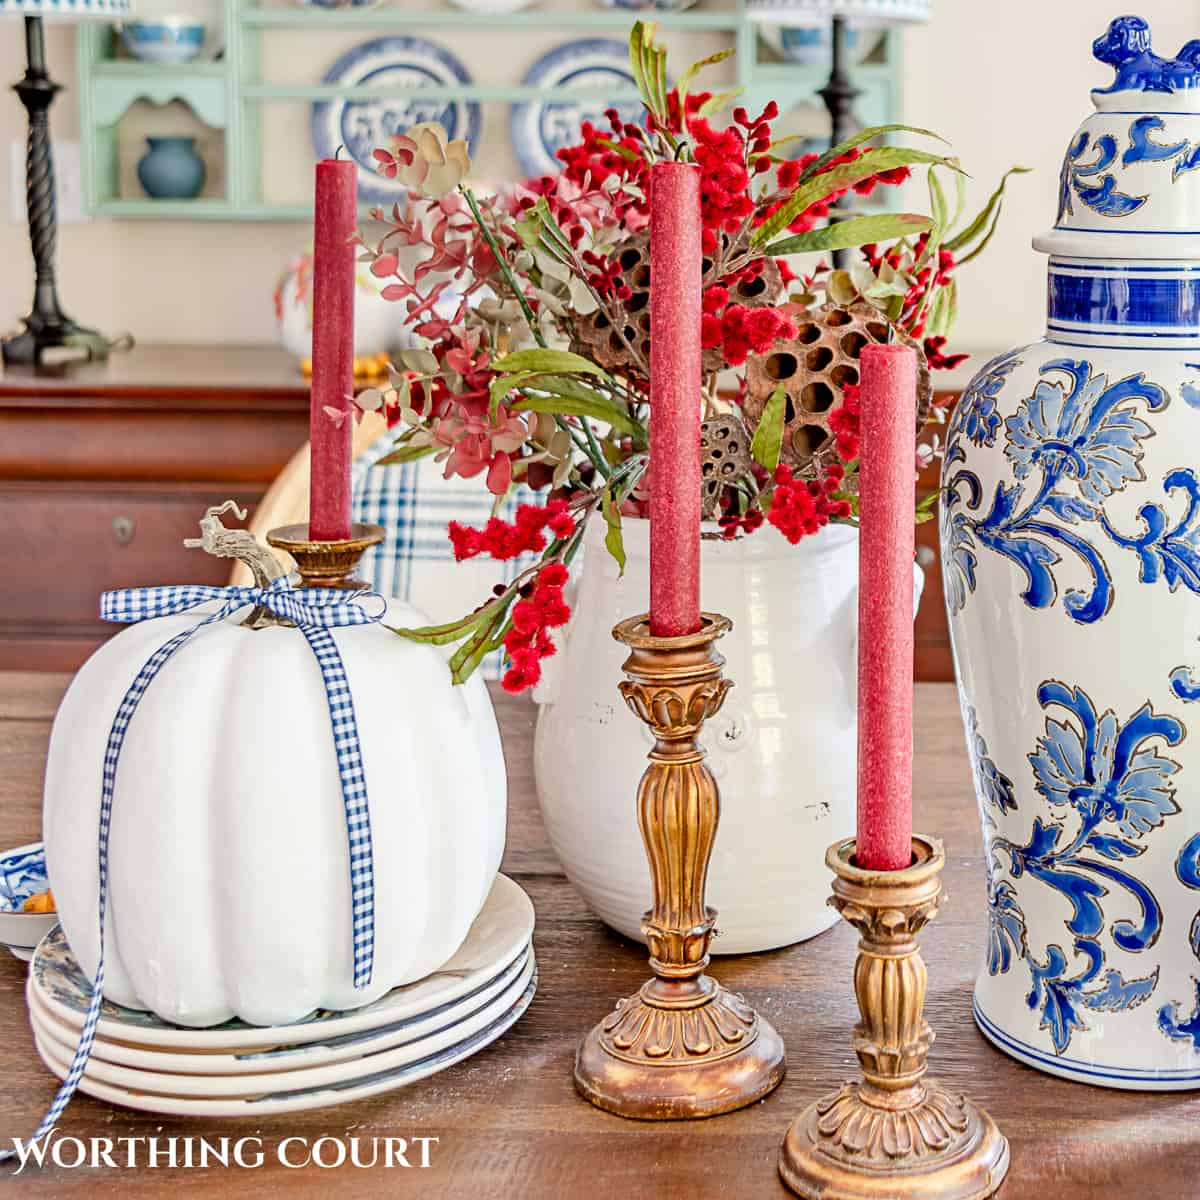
(314, 611)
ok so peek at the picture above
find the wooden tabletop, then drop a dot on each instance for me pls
(508, 1121)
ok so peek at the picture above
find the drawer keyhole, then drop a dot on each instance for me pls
(123, 530)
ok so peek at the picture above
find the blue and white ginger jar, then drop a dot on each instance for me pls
(1070, 532)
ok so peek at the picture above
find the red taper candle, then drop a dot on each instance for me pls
(335, 220)
(675, 381)
(888, 400)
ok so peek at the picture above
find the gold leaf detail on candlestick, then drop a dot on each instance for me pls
(893, 1133)
(682, 1046)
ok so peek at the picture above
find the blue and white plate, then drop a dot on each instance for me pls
(540, 127)
(399, 64)
(23, 874)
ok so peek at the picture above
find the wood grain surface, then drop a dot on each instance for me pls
(508, 1121)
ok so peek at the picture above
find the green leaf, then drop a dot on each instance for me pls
(452, 631)
(404, 454)
(614, 541)
(501, 385)
(768, 437)
(718, 103)
(884, 158)
(637, 38)
(853, 232)
(937, 203)
(686, 78)
(593, 404)
(864, 135)
(558, 362)
(939, 311)
(989, 213)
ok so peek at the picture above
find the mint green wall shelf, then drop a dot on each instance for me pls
(228, 95)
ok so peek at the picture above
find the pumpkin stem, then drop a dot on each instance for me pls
(241, 544)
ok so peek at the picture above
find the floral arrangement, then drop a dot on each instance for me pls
(533, 305)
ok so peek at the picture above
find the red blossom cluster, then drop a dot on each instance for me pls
(800, 508)
(504, 540)
(605, 275)
(528, 639)
(845, 422)
(936, 356)
(737, 330)
(733, 523)
(603, 153)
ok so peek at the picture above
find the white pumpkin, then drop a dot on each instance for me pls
(228, 862)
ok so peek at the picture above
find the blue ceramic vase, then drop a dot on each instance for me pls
(1070, 523)
(171, 169)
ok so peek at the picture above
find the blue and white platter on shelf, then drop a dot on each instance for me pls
(399, 64)
(334, 5)
(540, 127)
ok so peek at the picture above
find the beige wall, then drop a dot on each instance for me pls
(1005, 80)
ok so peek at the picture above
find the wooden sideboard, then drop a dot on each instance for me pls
(105, 469)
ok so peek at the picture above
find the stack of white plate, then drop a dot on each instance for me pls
(237, 1069)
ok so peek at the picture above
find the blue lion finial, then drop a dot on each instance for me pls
(1125, 46)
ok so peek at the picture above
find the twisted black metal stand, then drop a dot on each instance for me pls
(47, 326)
(839, 95)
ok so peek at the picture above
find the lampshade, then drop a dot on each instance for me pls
(68, 10)
(819, 12)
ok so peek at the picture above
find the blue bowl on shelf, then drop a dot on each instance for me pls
(164, 39)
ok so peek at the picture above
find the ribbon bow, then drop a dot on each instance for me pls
(314, 611)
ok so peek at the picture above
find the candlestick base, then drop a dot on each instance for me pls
(326, 564)
(682, 1046)
(892, 1135)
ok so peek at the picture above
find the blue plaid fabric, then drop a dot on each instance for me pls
(415, 562)
(314, 611)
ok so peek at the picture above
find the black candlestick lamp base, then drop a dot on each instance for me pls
(839, 95)
(47, 327)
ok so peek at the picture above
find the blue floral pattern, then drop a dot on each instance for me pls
(1073, 443)
(1187, 869)
(1113, 786)
(975, 415)
(1092, 180)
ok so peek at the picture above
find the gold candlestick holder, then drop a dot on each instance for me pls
(682, 1046)
(326, 564)
(893, 1134)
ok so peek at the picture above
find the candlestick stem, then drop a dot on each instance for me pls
(893, 1134)
(683, 1046)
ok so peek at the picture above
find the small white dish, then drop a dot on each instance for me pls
(23, 874)
(492, 7)
(164, 39)
(284, 1058)
(503, 927)
(212, 1087)
(285, 1102)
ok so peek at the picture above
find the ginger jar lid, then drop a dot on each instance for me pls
(1130, 184)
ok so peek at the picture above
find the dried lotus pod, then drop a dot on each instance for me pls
(724, 458)
(814, 368)
(597, 338)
